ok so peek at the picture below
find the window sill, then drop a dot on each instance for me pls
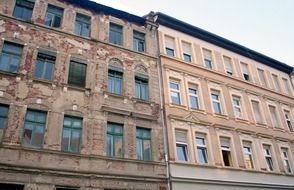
(177, 105)
(120, 96)
(9, 73)
(261, 125)
(137, 100)
(198, 110)
(48, 82)
(221, 116)
(241, 120)
(81, 89)
(279, 129)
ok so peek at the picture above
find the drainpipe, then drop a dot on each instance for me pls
(162, 108)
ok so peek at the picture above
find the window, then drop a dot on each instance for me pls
(288, 120)
(115, 80)
(72, 134)
(285, 157)
(34, 128)
(45, 66)
(181, 145)
(274, 116)
(141, 87)
(257, 112)
(262, 77)
(201, 149)
(287, 87)
(53, 16)
(114, 140)
(245, 72)
(23, 9)
(276, 83)
(216, 102)
(143, 144)
(247, 150)
(226, 151)
(268, 157)
(175, 92)
(237, 107)
(187, 52)
(193, 96)
(77, 73)
(138, 41)
(82, 25)
(170, 46)
(228, 65)
(208, 63)
(66, 188)
(10, 57)
(116, 34)
(3, 116)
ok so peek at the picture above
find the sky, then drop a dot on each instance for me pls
(266, 26)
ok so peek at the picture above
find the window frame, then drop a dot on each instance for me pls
(72, 74)
(228, 65)
(237, 107)
(47, 59)
(170, 51)
(139, 38)
(11, 55)
(194, 95)
(228, 150)
(274, 116)
(4, 117)
(289, 120)
(72, 129)
(84, 21)
(183, 145)
(24, 8)
(35, 123)
(187, 55)
(143, 139)
(208, 60)
(142, 81)
(117, 31)
(268, 157)
(286, 161)
(262, 77)
(248, 145)
(54, 15)
(115, 135)
(217, 101)
(286, 86)
(202, 147)
(245, 71)
(259, 112)
(116, 77)
(176, 91)
(277, 84)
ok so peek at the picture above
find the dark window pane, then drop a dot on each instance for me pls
(82, 25)
(77, 74)
(182, 152)
(115, 80)
(115, 34)
(187, 58)
(141, 88)
(23, 9)
(72, 134)
(138, 41)
(170, 52)
(10, 57)
(3, 116)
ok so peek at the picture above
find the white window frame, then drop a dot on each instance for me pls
(185, 144)
(288, 119)
(175, 91)
(202, 136)
(171, 46)
(194, 87)
(219, 102)
(228, 65)
(189, 53)
(259, 110)
(235, 106)
(245, 72)
(210, 58)
(266, 155)
(228, 149)
(286, 160)
(262, 77)
(248, 144)
(274, 116)
(286, 86)
(276, 81)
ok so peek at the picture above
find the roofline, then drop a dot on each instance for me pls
(186, 28)
(96, 7)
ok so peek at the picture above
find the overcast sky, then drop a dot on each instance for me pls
(266, 26)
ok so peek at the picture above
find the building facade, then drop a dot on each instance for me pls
(79, 98)
(229, 112)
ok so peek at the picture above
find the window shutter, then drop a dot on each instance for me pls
(181, 136)
(186, 48)
(170, 42)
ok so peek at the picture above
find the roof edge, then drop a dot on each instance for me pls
(194, 31)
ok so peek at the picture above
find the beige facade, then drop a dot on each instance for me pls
(228, 120)
(84, 164)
